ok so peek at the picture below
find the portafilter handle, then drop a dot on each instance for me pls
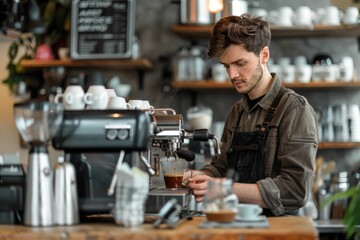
(186, 154)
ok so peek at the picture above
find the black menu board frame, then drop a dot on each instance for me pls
(102, 29)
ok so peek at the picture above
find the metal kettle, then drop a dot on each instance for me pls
(66, 199)
(195, 12)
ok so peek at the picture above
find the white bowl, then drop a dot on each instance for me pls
(123, 90)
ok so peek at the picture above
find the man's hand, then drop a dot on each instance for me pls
(199, 185)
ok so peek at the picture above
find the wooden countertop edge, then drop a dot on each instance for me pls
(295, 228)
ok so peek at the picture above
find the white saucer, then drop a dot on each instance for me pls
(255, 219)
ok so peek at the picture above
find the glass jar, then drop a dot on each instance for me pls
(339, 183)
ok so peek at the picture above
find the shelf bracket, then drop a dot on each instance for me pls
(193, 98)
(141, 75)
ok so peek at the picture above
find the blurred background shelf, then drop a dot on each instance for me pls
(199, 85)
(338, 145)
(204, 31)
(140, 64)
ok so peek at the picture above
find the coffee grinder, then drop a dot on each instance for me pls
(37, 122)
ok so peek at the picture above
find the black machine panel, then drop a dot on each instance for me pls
(103, 130)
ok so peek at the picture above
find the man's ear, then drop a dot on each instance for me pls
(265, 55)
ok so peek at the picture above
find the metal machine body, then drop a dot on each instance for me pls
(92, 141)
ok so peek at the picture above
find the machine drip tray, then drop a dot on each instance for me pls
(159, 196)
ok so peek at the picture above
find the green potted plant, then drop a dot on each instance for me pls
(352, 213)
(16, 79)
(56, 19)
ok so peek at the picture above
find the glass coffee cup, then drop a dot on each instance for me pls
(173, 170)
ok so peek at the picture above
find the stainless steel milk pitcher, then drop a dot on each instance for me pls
(66, 201)
(39, 191)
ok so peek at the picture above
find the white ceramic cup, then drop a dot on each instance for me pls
(318, 72)
(331, 73)
(347, 69)
(285, 16)
(218, 72)
(259, 12)
(288, 73)
(96, 97)
(118, 103)
(275, 68)
(300, 60)
(111, 92)
(332, 16)
(136, 104)
(123, 90)
(303, 73)
(146, 105)
(72, 98)
(303, 16)
(248, 211)
(351, 15)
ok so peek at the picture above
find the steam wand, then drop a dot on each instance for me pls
(150, 171)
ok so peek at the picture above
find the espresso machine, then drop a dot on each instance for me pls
(96, 141)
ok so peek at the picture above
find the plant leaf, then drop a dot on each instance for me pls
(339, 195)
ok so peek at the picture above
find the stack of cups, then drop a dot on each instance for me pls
(341, 127)
(303, 70)
(346, 69)
(287, 70)
(354, 122)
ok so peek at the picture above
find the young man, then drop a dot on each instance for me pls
(270, 134)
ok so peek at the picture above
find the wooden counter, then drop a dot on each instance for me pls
(280, 228)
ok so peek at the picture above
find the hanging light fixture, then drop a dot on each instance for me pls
(215, 6)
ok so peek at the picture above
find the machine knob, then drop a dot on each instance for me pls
(123, 134)
(111, 134)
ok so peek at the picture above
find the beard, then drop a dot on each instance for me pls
(253, 80)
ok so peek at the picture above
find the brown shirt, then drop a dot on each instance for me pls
(290, 148)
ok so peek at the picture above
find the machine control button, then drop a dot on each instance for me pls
(123, 134)
(118, 131)
(111, 134)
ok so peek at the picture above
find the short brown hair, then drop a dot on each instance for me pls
(251, 32)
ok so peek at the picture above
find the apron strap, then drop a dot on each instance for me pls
(265, 125)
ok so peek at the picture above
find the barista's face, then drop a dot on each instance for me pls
(245, 69)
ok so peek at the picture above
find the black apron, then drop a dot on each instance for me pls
(246, 154)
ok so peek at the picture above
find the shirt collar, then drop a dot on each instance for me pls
(269, 97)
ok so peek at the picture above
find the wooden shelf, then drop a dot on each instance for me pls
(140, 64)
(204, 31)
(209, 84)
(339, 145)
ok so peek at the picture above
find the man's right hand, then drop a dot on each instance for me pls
(199, 185)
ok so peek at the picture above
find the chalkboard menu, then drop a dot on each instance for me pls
(102, 29)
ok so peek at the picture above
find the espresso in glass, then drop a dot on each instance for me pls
(173, 181)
